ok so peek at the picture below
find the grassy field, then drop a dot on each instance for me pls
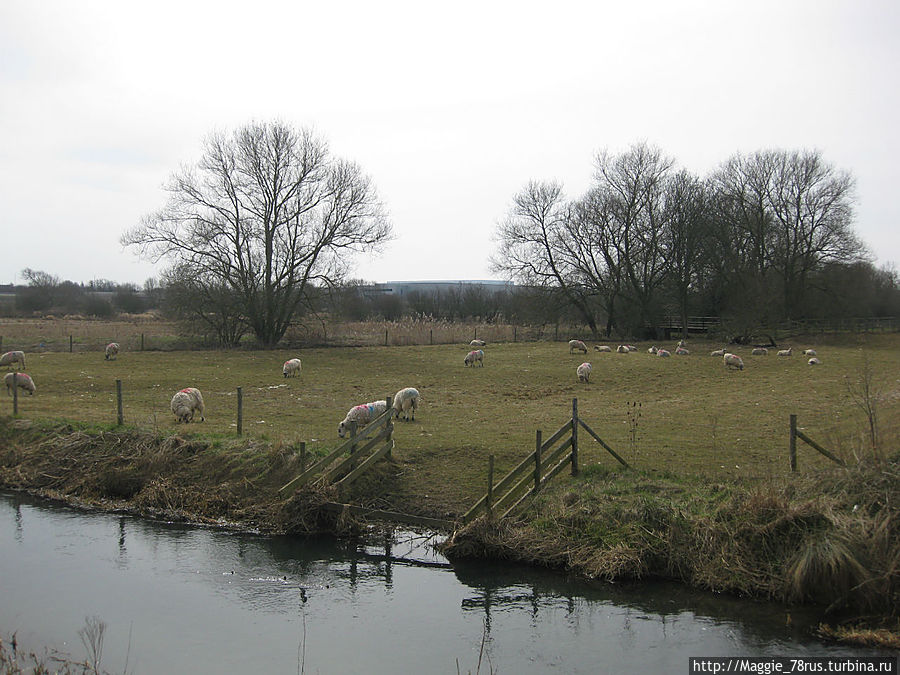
(687, 416)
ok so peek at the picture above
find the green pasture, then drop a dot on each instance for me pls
(682, 415)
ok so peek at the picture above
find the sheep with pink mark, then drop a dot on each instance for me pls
(733, 361)
(22, 380)
(9, 358)
(362, 415)
(664, 353)
(577, 345)
(111, 351)
(186, 403)
(291, 368)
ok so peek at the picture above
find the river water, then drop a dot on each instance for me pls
(180, 599)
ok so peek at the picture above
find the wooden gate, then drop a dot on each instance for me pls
(362, 451)
(536, 470)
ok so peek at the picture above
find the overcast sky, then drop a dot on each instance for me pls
(450, 108)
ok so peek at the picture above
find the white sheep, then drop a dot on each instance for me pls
(681, 351)
(362, 415)
(652, 350)
(10, 358)
(733, 361)
(473, 357)
(681, 344)
(112, 351)
(809, 352)
(622, 349)
(602, 348)
(23, 380)
(759, 351)
(718, 352)
(577, 344)
(291, 368)
(583, 372)
(785, 352)
(814, 361)
(631, 348)
(406, 401)
(477, 343)
(663, 353)
(187, 402)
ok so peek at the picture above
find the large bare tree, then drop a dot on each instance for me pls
(266, 213)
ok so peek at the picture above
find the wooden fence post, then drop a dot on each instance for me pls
(793, 447)
(15, 380)
(515, 331)
(537, 462)
(385, 337)
(302, 456)
(70, 344)
(574, 436)
(389, 424)
(431, 336)
(240, 410)
(352, 448)
(489, 502)
(120, 418)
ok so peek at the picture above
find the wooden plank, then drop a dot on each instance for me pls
(556, 436)
(556, 454)
(391, 516)
(502, 485)
(350, 460)
(365, 465)
(818, 447)
(307, 475)
(603, 443)
(550, 474)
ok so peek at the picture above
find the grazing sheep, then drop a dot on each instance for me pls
(583, 372)
(809, 352)
(718, 352)
(291, 368)
(112, 351)
(663, 352)
(733, 361)
(477, 343)
(23, 380)
(785, 352)
(187, 402)
(577, 344)
(759, 351)
(631, 348)
(406, 401)
(814, 361)
(622, 349)
(602, 348)
(652, 350)
(476, 355)
(10, 358)
(681, 351)
(362, 415)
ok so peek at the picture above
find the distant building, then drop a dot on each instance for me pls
(406, 287)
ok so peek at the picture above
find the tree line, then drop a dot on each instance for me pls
(260, 233)
(766, 237)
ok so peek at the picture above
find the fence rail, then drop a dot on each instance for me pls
(533, 473)
(331, 469)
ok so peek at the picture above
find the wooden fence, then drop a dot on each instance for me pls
(362, 450)
(795, 434)
(530, 476)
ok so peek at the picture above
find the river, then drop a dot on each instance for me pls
(182, 599)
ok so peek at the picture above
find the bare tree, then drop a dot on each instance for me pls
(267, 214)
(534, 248)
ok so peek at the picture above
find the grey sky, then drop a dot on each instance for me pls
(450, 108)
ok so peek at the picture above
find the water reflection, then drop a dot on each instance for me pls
(240, 598)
